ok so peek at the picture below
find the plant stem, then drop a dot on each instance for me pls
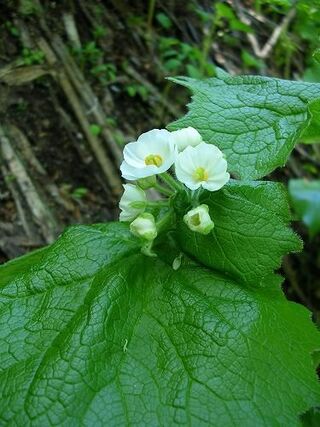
(164, 221)
(147, 249)
(170, 181)
(195, 195)
(163, 190)
(151, 8)
(158, 203)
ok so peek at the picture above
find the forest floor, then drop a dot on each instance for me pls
(79, 79)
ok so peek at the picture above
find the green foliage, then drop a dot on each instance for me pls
(29, 7)
(224, 13)
(88, 53)
(303, 34)
(259, 244)
(137, 89)
(90, 56)
(311, 418)
(254, 120)
(249, 61)
(312, 73)
(95, 333)
(178, 57)
(312, 133)
(99, 32)
(32, 57)
(105, 73)
(13, 30)
(95, 129)
(164, 20)
(305, 199)
(79, 193)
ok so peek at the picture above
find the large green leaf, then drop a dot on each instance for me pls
(254, 120)
(95, 333)
(250, 234)
(312, 134)
(305, 199)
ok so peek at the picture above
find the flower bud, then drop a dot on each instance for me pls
(132, 203)
(199, 220)
(185, 137)
(148, 182)
(144, 226)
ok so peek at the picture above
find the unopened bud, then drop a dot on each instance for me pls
(144, 226)
(185, 137)
(199, 220)
(147, 182)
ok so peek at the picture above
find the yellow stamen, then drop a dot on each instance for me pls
(153, 159)
(200, 174)
(195, 220)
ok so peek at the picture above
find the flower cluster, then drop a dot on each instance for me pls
(197, 166)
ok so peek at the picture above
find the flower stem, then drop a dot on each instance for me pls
(165, 221)
(147, 249)
(158, 203)
(195, 195)
(162, 189)
(170, 181)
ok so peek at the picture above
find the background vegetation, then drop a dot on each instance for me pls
(79, 79)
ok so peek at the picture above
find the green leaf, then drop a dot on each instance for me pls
(95, 333)
(95, 129)
(164, 20)
(312, 134)
(250, 234)
(312, 73)
(254, 120)
(305, 199)
(311, 418)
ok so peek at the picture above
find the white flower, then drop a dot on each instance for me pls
(130, 200)
(153, 153)
(199, 220)
(185, 137)
(144, 226)
(202, 166)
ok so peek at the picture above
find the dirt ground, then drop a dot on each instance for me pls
(79, 79)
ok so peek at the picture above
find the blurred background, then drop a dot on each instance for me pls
(80, 78)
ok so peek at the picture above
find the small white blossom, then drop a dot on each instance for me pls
(131, 197)
(202, 166)
(199, 220)
(144, 226)
(153, 153)
(186, 137)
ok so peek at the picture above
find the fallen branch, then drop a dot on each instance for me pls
(264, 52)
(15, 75)
(90, 100)
(109, 169)
(41, 213)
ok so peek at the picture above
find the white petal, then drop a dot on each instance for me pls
(159, 135)
(220, 166)
(128, 172)
(186, 137)
(217, 182)
(134, 154)
(127, 216)
(184, 168)
(132, 193)
(155, 142)
(205, 156)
